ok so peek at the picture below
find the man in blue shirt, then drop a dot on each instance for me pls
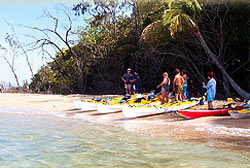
(211, 89)
(127, 78)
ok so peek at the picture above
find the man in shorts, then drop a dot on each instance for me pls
(127, 78)
(177, 85)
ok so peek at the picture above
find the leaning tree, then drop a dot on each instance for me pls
(182, 15)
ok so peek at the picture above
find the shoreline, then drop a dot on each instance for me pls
(221, 132)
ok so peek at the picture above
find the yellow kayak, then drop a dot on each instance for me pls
(244, 113)
(132, 111)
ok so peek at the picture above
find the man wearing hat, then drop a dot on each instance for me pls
(127, 78)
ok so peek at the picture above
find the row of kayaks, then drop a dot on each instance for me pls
(143, 105)
(134, 106)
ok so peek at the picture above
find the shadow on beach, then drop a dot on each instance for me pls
(230, 122)
(166, 116)
(100, 114)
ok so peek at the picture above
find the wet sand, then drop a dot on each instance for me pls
(220, 132)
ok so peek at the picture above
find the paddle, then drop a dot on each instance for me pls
(150, 96)
(153, 91)
(230, 105)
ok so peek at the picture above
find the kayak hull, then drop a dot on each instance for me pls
(245, 113)
(135, 111)
(146, 110)
(239, 115)
(88, 106)
(77, 105)
(192, 114)
(108, 108)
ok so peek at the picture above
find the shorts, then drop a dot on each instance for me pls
(209, 98)
(184, 90)
(178, 89)
(127, 86)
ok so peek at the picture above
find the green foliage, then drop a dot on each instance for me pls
(181, 14)
(111, 42)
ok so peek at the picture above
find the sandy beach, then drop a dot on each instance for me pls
(221, 132)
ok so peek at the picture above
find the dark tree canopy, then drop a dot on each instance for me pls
(111, 42)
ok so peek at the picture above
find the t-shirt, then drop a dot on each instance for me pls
(211, 88)
(137, 80)
(128, 77)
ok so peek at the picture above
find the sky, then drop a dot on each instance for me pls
(21, 13)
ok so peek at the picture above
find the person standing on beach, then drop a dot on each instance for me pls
(165, 84)
(185, 84)
(136, 82)
(211, 89)
(177, 85)
(127, 78)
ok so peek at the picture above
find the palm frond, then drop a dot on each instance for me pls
(169, 14)
(197, 5)
(179, 23)
(180, 15)
(149, 28)
(190, 7)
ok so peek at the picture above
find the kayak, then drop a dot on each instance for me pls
(117, 107)
(109, 108)
(133, 111)
(91, 105)
(77, 105)
(88, 106)
(244, 113)
(192, 114)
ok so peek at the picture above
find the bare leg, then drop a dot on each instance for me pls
(162, 99)
(176, 97)
(180, 97)
(167, 92)
(210, 105)
(163, 94)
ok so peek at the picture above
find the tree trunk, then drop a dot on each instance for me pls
(81, 85)
(226, 87)
(16, 78)
(237, 88)
(13, 72)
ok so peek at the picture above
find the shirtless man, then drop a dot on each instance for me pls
(177, 85)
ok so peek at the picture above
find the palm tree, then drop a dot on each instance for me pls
(182, 15)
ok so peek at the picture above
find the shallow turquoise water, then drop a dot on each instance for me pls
(39, 141)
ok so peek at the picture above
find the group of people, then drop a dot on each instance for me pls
(180, 84)
(180, 87)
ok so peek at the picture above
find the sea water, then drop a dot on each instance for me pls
(56, 142)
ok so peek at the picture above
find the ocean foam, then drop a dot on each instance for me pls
(222, 130)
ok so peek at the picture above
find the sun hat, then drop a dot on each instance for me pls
(210, 74)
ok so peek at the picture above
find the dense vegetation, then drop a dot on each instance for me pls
(131, 34)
